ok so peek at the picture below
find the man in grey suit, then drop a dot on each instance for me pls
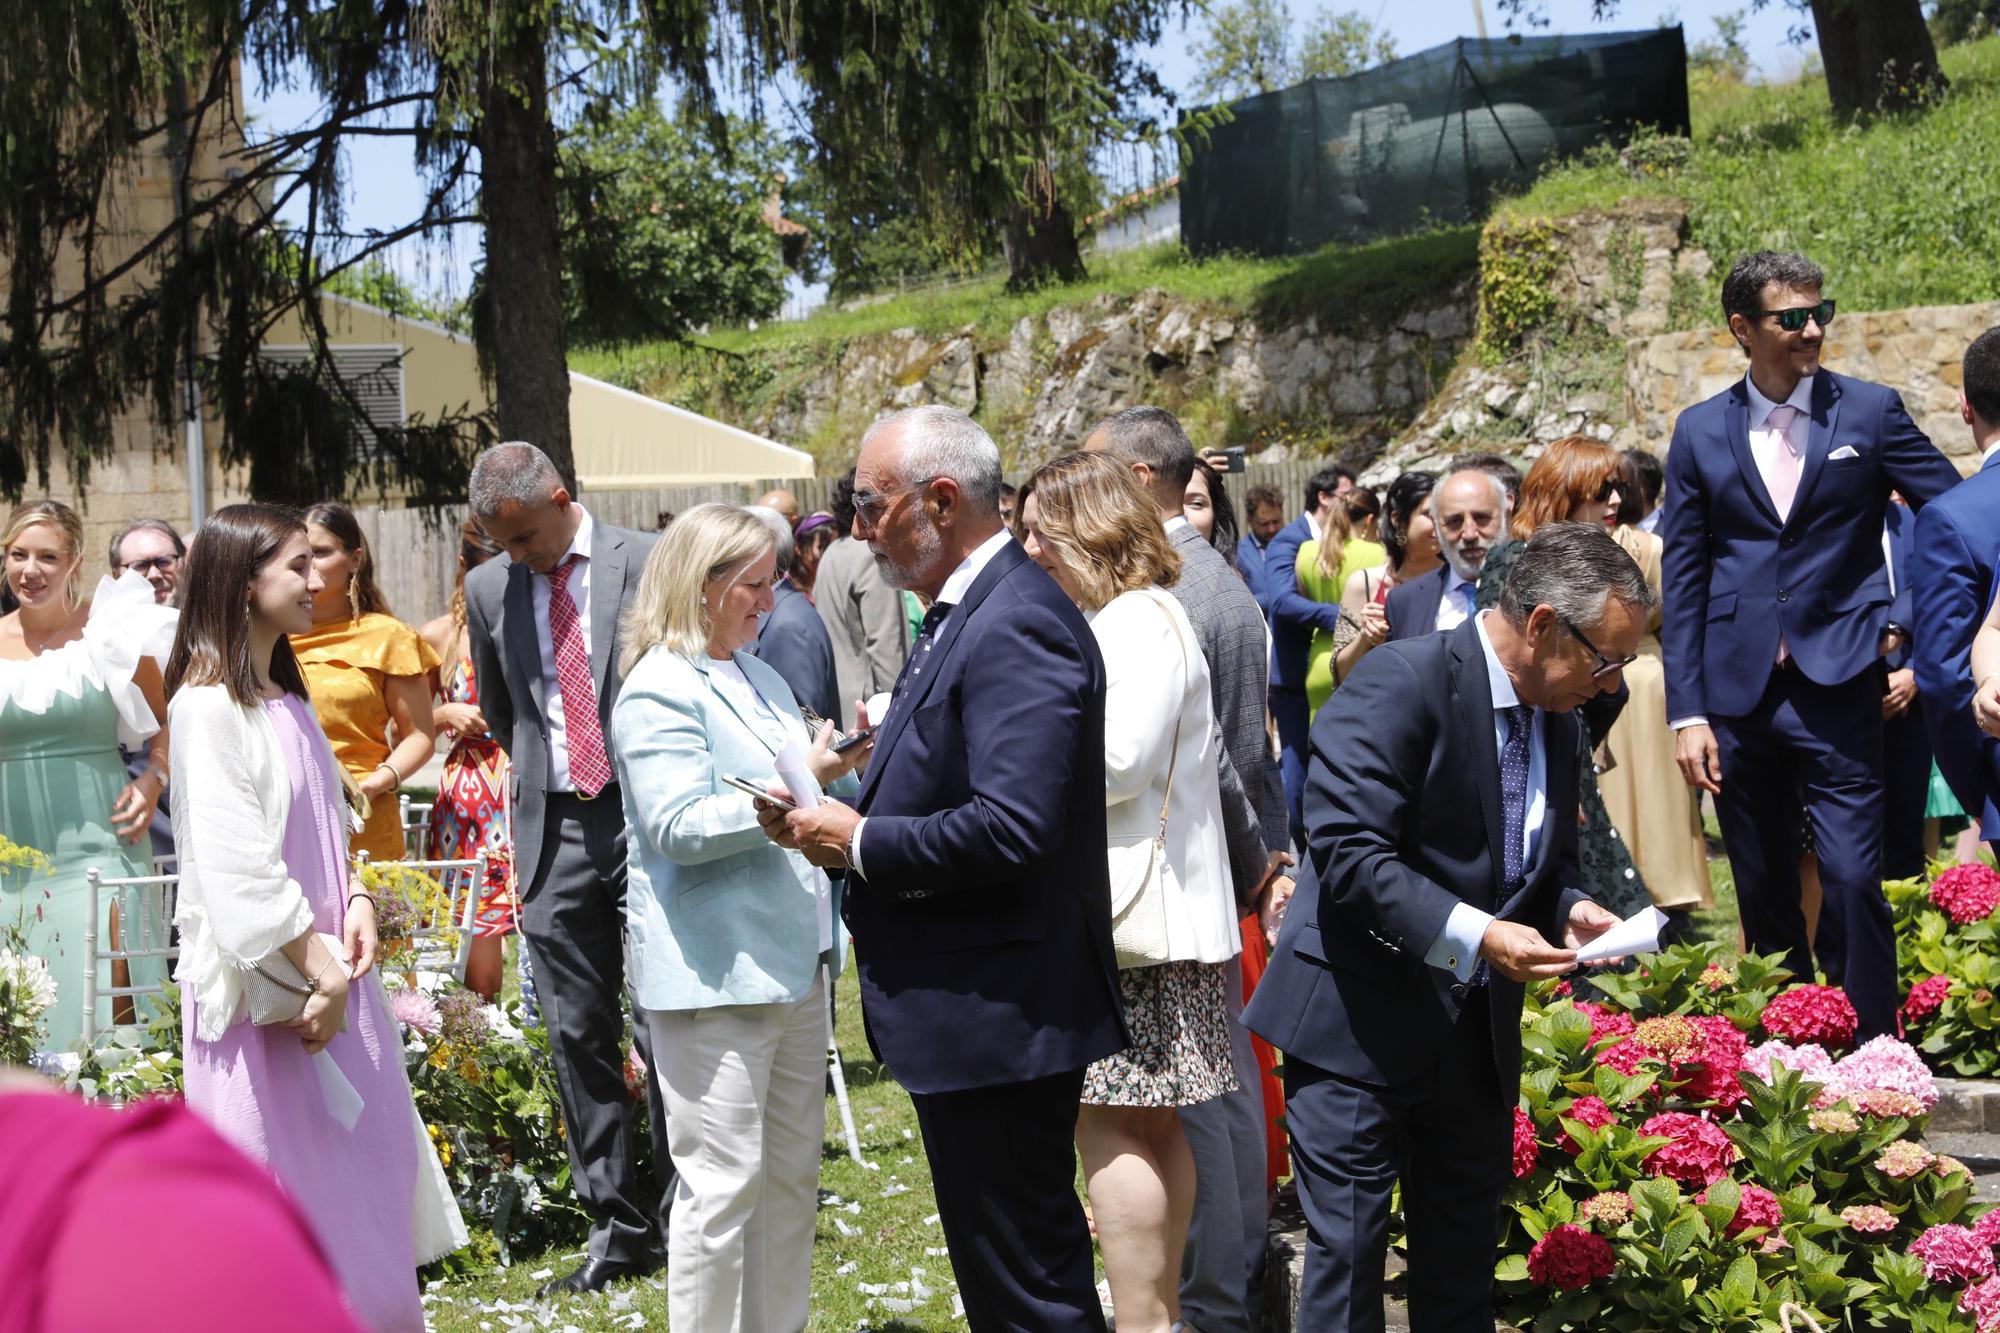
(543, 622)
(1226, 1235)
(793, 641)
(863, 614)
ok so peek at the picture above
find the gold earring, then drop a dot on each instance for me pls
(354, 598)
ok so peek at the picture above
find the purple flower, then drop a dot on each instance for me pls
(1886, 1064)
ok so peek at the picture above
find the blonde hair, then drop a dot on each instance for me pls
(1093, 515)
(64, 520)
(707, 542)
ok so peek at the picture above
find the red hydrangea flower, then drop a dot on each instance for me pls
(1818, 1014)
(1589, 1111)
(1570, 1257)
(1755, 1207)
(1712, 1078)
(1952, 1254)
(1562, 990)
(1966, 893)
(1987, 1229)
(1606, 1023)
(1698, 1152)
(1623, 1056)
(1925, 997)
(1524, 1143)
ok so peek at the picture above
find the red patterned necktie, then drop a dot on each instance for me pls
(589, 771)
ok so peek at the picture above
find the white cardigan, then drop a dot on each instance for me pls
(1155, 675)
(232, 794)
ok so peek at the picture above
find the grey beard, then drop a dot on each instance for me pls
(929, 546)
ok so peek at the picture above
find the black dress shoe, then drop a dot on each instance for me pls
(592, 1275)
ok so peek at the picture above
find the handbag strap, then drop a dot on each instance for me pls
(1174, 754)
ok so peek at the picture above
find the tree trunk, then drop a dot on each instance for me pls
(1041, 246)
(1878, 54)
(517, 151)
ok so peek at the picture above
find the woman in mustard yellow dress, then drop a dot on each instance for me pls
(369, 677)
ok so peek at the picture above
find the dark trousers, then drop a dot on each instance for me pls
(1906, 789)
(573, 917)
(1294, 719)
(1003, 1162)
(1227, 1234)
(1819, 746)
(1447, 1136)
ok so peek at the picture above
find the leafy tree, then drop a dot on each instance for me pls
(1248, 49)
(1955, 21)
(1724, 55)
(1878, 54)
(662, 233)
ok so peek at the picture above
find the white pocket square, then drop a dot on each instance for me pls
(1844, 451)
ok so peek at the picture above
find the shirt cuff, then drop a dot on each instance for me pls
(854, 846)
(1456, 949)
(1681, 723)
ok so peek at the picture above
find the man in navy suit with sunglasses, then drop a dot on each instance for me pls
(1777, 621)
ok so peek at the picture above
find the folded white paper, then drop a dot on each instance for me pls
(878, 709)
(343, 1103)
(1638, 933)
(797, 777)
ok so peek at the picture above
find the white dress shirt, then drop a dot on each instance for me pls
(579, 591)
(951, 594)
(1458, 593)
(1765, 441)
(1456, 949)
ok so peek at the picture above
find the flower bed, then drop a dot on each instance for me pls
(1704, 1144)
(1948, 959)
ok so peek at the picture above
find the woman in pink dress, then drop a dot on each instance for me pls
(471, 808)
(262, 832)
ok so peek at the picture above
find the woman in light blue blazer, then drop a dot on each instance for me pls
(733, 939)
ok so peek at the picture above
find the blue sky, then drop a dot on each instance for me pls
(384, 189)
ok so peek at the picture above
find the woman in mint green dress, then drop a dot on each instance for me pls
(75, 678)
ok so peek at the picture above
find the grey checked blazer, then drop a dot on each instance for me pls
(1230, 626)
(507, 666)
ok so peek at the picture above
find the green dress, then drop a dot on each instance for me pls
(1319, 586)
(60, 772)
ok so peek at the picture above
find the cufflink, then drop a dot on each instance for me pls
(1451, 964)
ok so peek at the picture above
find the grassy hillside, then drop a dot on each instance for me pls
(1900, 210)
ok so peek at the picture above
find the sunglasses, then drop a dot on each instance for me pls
(1608, 489)
(1605, 665)
(870, 504)
(1794, 319)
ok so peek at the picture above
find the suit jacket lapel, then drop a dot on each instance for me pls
(607, 588)
(1825, 411)
(1474, 698)
(703, 664)
(1736, 424)
(989, 578)
(518, 606)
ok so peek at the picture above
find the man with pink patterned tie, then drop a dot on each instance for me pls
(543, 624)
(1776, 620)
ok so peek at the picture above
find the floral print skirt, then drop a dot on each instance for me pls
(1179, 1055)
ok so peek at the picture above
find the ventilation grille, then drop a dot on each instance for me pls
(372, 373)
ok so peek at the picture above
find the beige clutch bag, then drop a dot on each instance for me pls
(277, 991)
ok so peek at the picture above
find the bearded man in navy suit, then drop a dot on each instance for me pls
(1777, 620)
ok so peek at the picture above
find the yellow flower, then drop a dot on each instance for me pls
(440, 1056)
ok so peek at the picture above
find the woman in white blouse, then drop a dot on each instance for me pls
(733, 939)
(1087, 522)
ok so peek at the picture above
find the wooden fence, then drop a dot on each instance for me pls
(416, 551)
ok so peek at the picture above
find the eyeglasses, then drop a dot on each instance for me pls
(868, 505)
(1794, 319)
(1605, 665)
(164, 563)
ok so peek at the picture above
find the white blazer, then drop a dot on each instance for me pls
(1156, 676)
(232, 794)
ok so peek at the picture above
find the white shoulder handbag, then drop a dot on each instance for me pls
(1138, 898)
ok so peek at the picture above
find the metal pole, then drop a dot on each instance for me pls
(197, 457)
(1479, 17)
(182, 146)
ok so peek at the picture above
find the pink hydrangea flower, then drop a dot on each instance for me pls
(1819, 1014)
(1610, 1210)
(1809, 1061)
(1524, 1144)
(1947, 1165)
(1982, 1302)
(1715, 978)
(1606, 1023)
(1869, 1219)
(1755, 1207)
(1883, 1103)
(1903, 1159)
(1987, 1228)
(1569, 1257)
(416, 1011)
(1925, 997)
(1966, 893)
(1832, 1122)
(1952, 1254)
(1589, 1111)
(1623, 1056)
(1698, 1152)
(1884, 1063)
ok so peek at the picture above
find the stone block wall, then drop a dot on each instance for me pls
(1918, 352)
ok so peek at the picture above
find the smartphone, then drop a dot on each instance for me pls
(753, 790)
(852, 739)
(1235, 459)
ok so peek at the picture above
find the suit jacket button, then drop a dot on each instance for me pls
(1781, 594)
(1459, 990)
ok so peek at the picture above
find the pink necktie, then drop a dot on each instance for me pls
(589, 771)
(1783, 478)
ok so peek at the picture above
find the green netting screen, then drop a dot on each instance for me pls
(1428, 138)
